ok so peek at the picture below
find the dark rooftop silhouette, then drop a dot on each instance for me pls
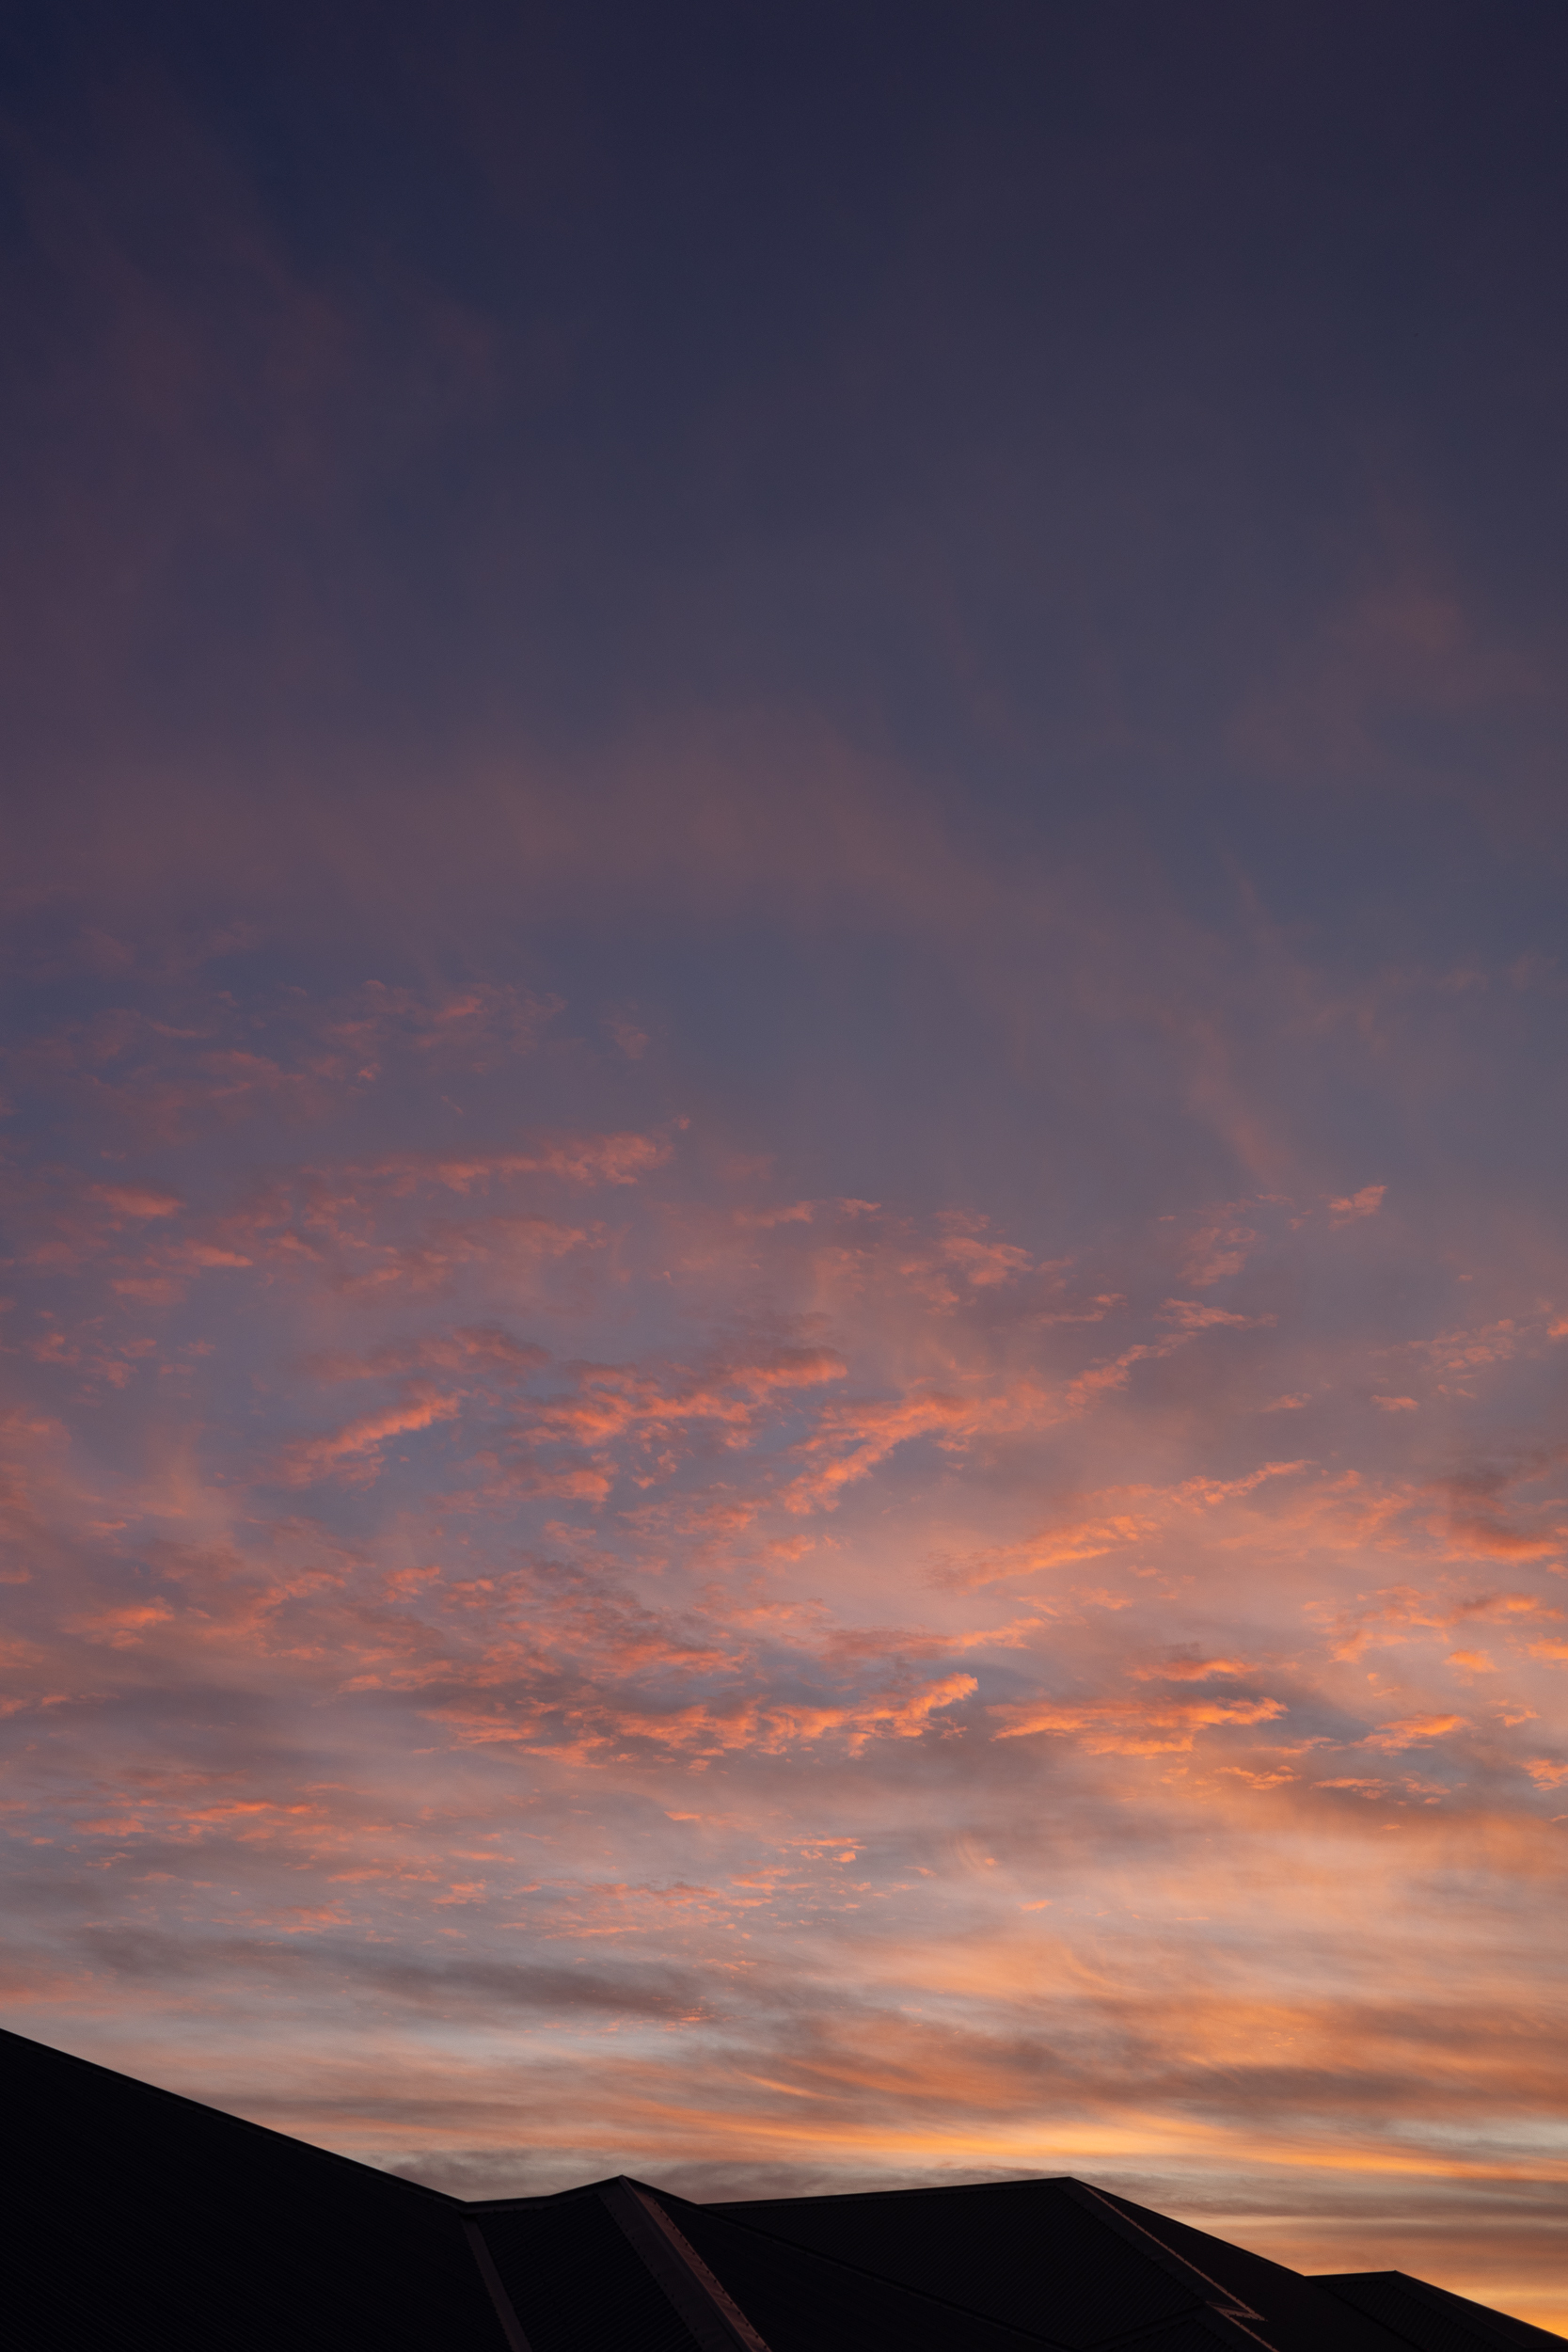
(142, 2220)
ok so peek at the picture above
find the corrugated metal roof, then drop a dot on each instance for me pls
(1021, 2254)
(576, 2281)
(144, 2222)
(1292, 2313)
(1431, 2317)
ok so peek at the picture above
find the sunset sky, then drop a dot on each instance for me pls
(785, 1296)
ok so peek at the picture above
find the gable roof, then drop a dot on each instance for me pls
(150, 2223)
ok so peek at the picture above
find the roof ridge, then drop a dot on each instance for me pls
(865, 2195)
(864, 2270)
(1506, 2327)
(1220, 2298)
(702, 2300)
(223, 2115)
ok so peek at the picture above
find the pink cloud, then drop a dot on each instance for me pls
(1357, 1205)
(1193, 1317)
(341, 1452)
(127, 1200)
(579, 1159)
(1217, 1252)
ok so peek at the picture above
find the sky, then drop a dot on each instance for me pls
(785, 1294)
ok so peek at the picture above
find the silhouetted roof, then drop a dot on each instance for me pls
(141, 2220)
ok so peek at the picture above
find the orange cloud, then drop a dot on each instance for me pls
(1134, 1728)
(1414, 1731)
